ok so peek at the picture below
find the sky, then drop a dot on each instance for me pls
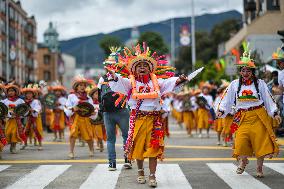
(76, 18)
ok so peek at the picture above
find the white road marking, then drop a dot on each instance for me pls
(279, 167)
(226, 171)
(40, 177)
(101, 178)
(3, 167)
(170, 176)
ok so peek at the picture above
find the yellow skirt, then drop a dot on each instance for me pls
(219, 124)
(82, 128)
(48, 116)
(11, 131)
(141, 139)
(39, 127)
(228, 120)
(188, 119)
(99, 132)
(202, 118)
(57, 121)
(255, 136)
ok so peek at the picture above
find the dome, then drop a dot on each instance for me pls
(50, 30)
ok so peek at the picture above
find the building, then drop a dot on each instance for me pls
(46, 68)
(50, 64)
(17, 42)
(70, 66)
(262, 19)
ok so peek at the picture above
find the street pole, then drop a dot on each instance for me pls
(193, 51)
(7, 40)
(173, 41)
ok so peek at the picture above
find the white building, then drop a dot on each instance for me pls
(69, 68)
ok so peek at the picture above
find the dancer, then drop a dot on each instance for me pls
(204, 102)
(253, 120)
(33, 128)
(3, 140)
(99, 132)
(144, 89)
(81, 125)
(14, 130)
(58, 116)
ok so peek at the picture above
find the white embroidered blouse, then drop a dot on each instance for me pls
(247, 98)
(123, 86)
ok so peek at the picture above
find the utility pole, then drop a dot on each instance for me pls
(193, 51)
(173, 41)
(7, 41)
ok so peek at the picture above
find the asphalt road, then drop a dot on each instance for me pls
(190, 163)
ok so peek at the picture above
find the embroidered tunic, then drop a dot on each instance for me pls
(123, 86)
(247, 98)
(71, 102)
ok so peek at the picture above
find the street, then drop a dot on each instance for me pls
(189, 163)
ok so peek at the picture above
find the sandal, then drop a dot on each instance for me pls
(141, 179)
(152, 181)
(259, 172)
(71, 155)
(242, 166)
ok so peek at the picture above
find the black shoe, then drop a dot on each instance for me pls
(127, 164)
(112, 166)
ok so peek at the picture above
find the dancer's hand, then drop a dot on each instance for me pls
(182, 78)
(220, 113)
(111, 73)
(278, 119)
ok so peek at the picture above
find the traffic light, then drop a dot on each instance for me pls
(281, 33)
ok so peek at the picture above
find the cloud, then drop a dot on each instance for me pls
(75, 18)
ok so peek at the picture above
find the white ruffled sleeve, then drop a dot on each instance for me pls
(267, 98)
(62, 101)
(228, 99)
(69, 105)
(36, 107)
(122, 85)
(168, 85)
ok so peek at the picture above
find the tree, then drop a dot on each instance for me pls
(109, 41)
(155, 42)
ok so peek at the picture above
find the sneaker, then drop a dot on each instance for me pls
(112, 166)
(127, 164)
(218, 143)
(200, 136)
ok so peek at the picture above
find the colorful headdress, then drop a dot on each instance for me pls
(13, 86)
(28, 88)
(77, 80)
(57, 86)
(246, 60)
(206, 85)
(125, 64)
(278, 55)
(92, 88)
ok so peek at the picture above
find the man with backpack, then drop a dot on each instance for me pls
(114, 114)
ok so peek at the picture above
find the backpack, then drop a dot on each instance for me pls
(108, 98)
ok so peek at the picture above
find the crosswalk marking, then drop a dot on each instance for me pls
(226, 171)
(3, 167)
(171, 176)
(279, 167)
(40, 177)
(168, 176)
(103, 178)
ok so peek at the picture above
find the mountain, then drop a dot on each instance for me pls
(89, 54)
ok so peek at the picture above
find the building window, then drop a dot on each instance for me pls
(47, 75)
(46, 59)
